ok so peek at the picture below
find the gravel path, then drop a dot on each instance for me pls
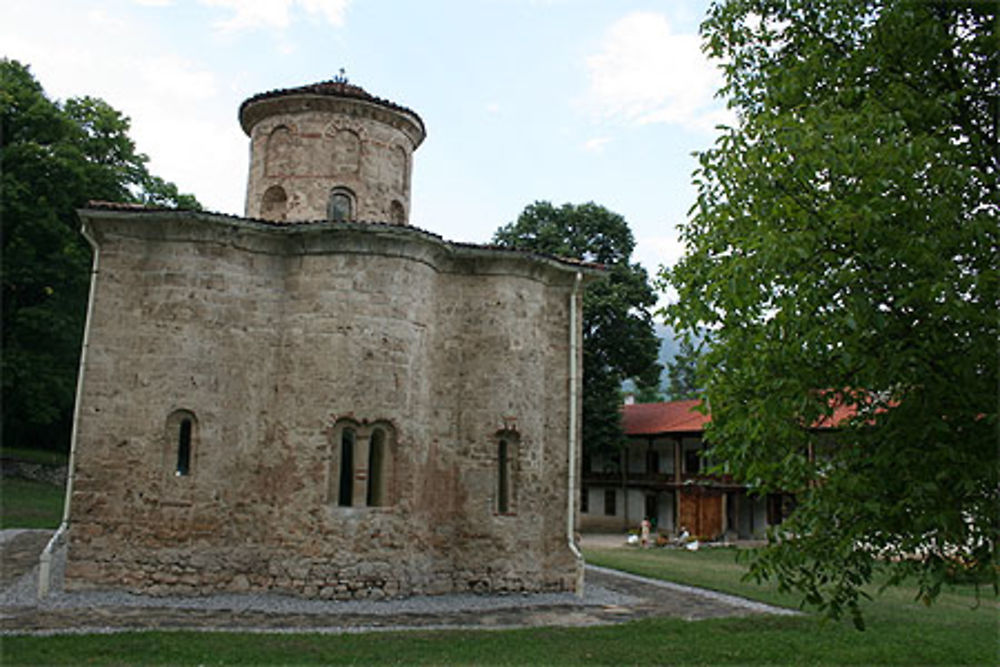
(610, 597)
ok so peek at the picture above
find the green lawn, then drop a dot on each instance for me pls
(44, 456)
(898, 632)
(958, 628)
(29, 504)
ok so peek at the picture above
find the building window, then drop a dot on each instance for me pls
(341, 205)
(505, 487)
(345, 492)
(584, 500)
(692, 458)
(652, 461)
(503, 478)
(610, 496)
(652, 509)
(396, 213)
(181, 442)
(184, 448)
(274, 204)
(361, 451)
(376, 469)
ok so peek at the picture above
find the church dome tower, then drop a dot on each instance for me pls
(329, 151)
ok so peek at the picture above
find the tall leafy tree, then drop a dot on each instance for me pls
(682, 372)
(648, 394)
(844, 251)
(55, 158)
(619, 341)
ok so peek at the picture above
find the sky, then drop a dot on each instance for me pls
(523, 100)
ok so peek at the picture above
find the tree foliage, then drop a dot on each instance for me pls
(844, 250)
(55, 158)
(682, 372)
(619, 341)
(648, 394)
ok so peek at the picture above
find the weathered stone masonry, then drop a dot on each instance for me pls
(272, 338)
(334, 409)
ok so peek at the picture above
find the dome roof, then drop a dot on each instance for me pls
(338, 87)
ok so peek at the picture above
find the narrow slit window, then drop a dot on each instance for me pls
(184, 448)
(503, 478)
(376, 474)
(345, 493)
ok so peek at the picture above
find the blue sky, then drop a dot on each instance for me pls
(562, 100)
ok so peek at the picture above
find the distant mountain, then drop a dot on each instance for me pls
(668, 349)
(669, 346)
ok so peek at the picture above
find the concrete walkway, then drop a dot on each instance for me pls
(615, 597)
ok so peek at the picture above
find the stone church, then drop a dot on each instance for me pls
(319, 399)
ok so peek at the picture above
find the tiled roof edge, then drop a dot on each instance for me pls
(98, 205)
(331, 88)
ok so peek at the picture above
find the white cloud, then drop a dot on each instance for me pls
(181, 112)
(101, 19)
(596, 145)
(248, 14)
(655, 252)
(251, 14)
(173, 78)
(154, 3)
(646, 73)
(332, 10)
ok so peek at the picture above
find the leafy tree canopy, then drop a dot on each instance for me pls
(619, 341)
(55, 158)
(844, 249)
(682, 372)
(648, 394)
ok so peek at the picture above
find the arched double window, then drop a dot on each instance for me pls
(361, 465)
(341, 206)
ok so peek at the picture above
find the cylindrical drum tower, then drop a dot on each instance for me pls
(329, 151)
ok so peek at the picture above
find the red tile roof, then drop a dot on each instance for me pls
(683, 417)
(671, 417)
(841, 414)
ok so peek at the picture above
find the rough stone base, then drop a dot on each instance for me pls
(318, 581)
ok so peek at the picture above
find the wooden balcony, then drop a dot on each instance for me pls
(657, 481)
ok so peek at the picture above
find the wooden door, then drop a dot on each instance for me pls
(701, 512)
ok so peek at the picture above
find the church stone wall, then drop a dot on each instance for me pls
(272, 340)
(299, 154)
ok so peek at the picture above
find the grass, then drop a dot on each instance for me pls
(714, 568)
(899, 632)
(43, 456)
(958, 628)
(29, 504)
